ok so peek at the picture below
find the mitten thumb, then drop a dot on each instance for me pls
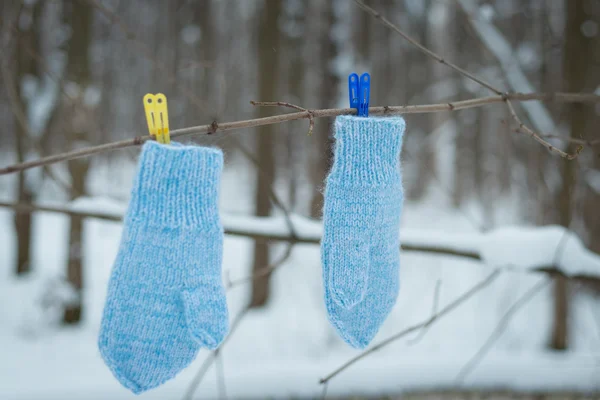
(348, 272)
(206, 315)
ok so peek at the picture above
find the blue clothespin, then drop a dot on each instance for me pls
(360, 91)
(353, 92)
(364, 94)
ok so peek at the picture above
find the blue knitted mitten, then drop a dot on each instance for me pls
(165, 296)
(360, 249)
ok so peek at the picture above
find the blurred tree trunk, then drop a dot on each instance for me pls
(418, 68)
(294, 40)
(541, 166)
(361, 34)
(381, 66)
(28, 42)
(268, 67)
(425, 157)
(78, 16)
(327, 96)
(209, 41)
(467, 129)
(591, 190)
(441, 33)
(575, 65)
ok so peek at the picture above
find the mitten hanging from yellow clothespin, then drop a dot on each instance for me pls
(157, 116)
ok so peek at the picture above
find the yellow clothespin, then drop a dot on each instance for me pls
(157, 116)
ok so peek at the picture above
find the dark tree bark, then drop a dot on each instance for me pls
(27, 42)
(294, 42)
(577, 49)
(78, 15)
(464, 144)
(268, 67)
(327, 95)
(416, 146)
(592, 118)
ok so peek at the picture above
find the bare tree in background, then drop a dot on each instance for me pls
(591, 187)
(268, 65)
(77, 112)
(577, 73)
(327, 96)
(417, 69)
(295, 25)
(30, 89)
(27, 37)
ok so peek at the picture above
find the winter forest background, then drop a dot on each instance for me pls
(500, 272)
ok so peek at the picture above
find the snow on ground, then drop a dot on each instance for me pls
(283, 350)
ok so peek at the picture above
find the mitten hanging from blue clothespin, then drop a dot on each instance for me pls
(360, 250)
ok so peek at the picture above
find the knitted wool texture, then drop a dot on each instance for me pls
(165, 296)
(360, 249)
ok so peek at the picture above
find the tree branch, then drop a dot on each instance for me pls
(272, 194)
(147, 52)
(261, 228)
(311, 123)
(264, 271)
(425, 50)
(189, 394)
(256, 234)
(215, 127)
(238, 318)
(472, 77)
(436, 299)
(525, 129)
(423, 325)
(522, 301)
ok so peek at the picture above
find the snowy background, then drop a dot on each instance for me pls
(75, 73)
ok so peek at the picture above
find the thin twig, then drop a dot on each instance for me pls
(259, 273)
(64, 185)
(189, 394)
(425, 50)
(434, 310)
(324, 391)
(277, 119)
(450, 307)
(20, 115)
(146, 51)
(566, 139)
(206, 365)
(198, 377)
(506, 61)
(525, 129)
(472, 77)
(470, 217)
(220, 375)
(522, 128)
(311, 119)
(587, 142)
(500, 328)
(272, 194)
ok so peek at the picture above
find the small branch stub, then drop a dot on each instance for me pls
(309, 114)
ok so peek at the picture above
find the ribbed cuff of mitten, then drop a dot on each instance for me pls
(367, 150)
(177, 185)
